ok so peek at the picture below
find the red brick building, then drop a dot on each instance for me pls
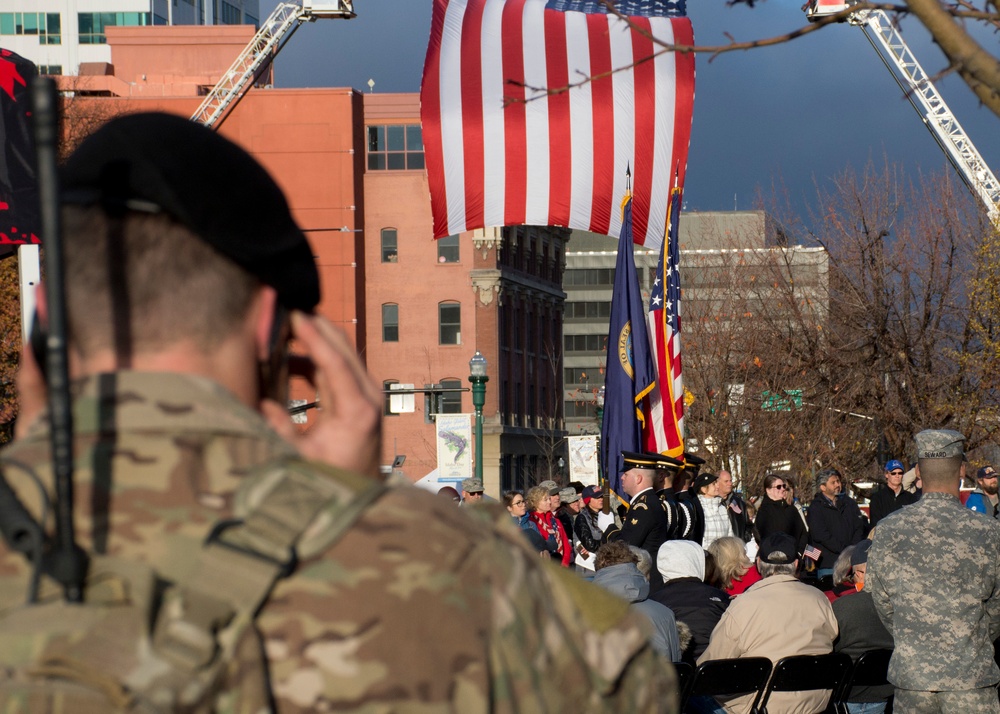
(417, 309)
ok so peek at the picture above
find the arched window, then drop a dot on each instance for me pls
(390, 322)
(390, 251)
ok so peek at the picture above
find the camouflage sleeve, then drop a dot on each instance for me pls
(993, 604)
(875, 586)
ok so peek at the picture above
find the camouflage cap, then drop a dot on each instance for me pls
(939, 444)
(551, 485)
(568, 495)
(472, 485)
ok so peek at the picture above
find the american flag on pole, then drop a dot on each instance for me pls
(663, 429)
(812, 552)
(500, 150)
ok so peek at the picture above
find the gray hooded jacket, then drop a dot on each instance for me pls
(625, 581)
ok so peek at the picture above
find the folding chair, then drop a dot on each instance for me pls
(804, 673)
(685, 675)
(729, 677)
(871, 670)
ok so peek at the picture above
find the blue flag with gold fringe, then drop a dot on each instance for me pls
(630, 372)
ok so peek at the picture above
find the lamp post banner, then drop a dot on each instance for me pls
(454, 446)
(583, 459)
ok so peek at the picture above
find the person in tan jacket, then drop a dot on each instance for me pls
(777, 617)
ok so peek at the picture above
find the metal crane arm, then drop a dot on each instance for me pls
(919, 89)
(259, 53)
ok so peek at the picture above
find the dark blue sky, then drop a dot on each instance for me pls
(797, 114)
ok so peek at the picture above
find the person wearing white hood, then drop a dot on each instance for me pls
(618, 574)
(693, 601)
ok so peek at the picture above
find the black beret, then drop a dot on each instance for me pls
(161, 162)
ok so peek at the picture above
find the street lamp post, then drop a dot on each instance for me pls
(600, 438)
(477, 375)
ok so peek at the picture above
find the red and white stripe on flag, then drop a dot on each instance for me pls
(663, 429)
(494, 159)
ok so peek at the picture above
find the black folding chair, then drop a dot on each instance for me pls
(685, 675)
(805, 673)
(871, 670)
(729, 677)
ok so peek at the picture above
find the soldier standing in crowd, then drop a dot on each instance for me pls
(186, 280)
(934, 575)
(644, 525)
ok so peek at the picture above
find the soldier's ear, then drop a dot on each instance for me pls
(264, 312)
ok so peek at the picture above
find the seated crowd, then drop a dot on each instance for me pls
(717, 583)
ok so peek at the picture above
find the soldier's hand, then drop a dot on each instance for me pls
(348, 429)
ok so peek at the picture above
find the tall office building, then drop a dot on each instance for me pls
(61, 35)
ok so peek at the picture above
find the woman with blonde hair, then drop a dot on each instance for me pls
(736, 571)
(539, 501)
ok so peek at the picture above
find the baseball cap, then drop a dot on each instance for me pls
(895, 464)
(859, 555)
(551, 486)
(161, 163)
(592, 492)
(985, 472)
(778, 549)
(472, 485)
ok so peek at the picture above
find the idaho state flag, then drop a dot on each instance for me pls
(631, 372)
(19, 209)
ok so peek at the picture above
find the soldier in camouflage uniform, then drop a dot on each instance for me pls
(182, 260)
(934, 576)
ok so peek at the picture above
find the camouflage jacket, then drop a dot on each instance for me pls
(420, 606)
(934, 576)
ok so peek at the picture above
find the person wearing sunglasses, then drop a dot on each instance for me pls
(892, 496)
(776, 515)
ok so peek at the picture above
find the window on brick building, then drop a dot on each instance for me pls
(451, 402)
(449, 323)
(390, 322)
(447, 249)
(395, 147)
(390, 251)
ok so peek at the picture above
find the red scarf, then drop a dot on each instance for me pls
(550, 525)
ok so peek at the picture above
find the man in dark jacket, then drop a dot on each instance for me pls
(861, 629)
(892, 496)
(835, 521)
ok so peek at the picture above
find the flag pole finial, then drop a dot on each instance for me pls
(628, 177)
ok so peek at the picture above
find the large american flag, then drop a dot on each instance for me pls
(663, 431)
(494, 159)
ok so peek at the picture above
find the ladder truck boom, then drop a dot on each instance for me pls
(258, 54)
(924, 97)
